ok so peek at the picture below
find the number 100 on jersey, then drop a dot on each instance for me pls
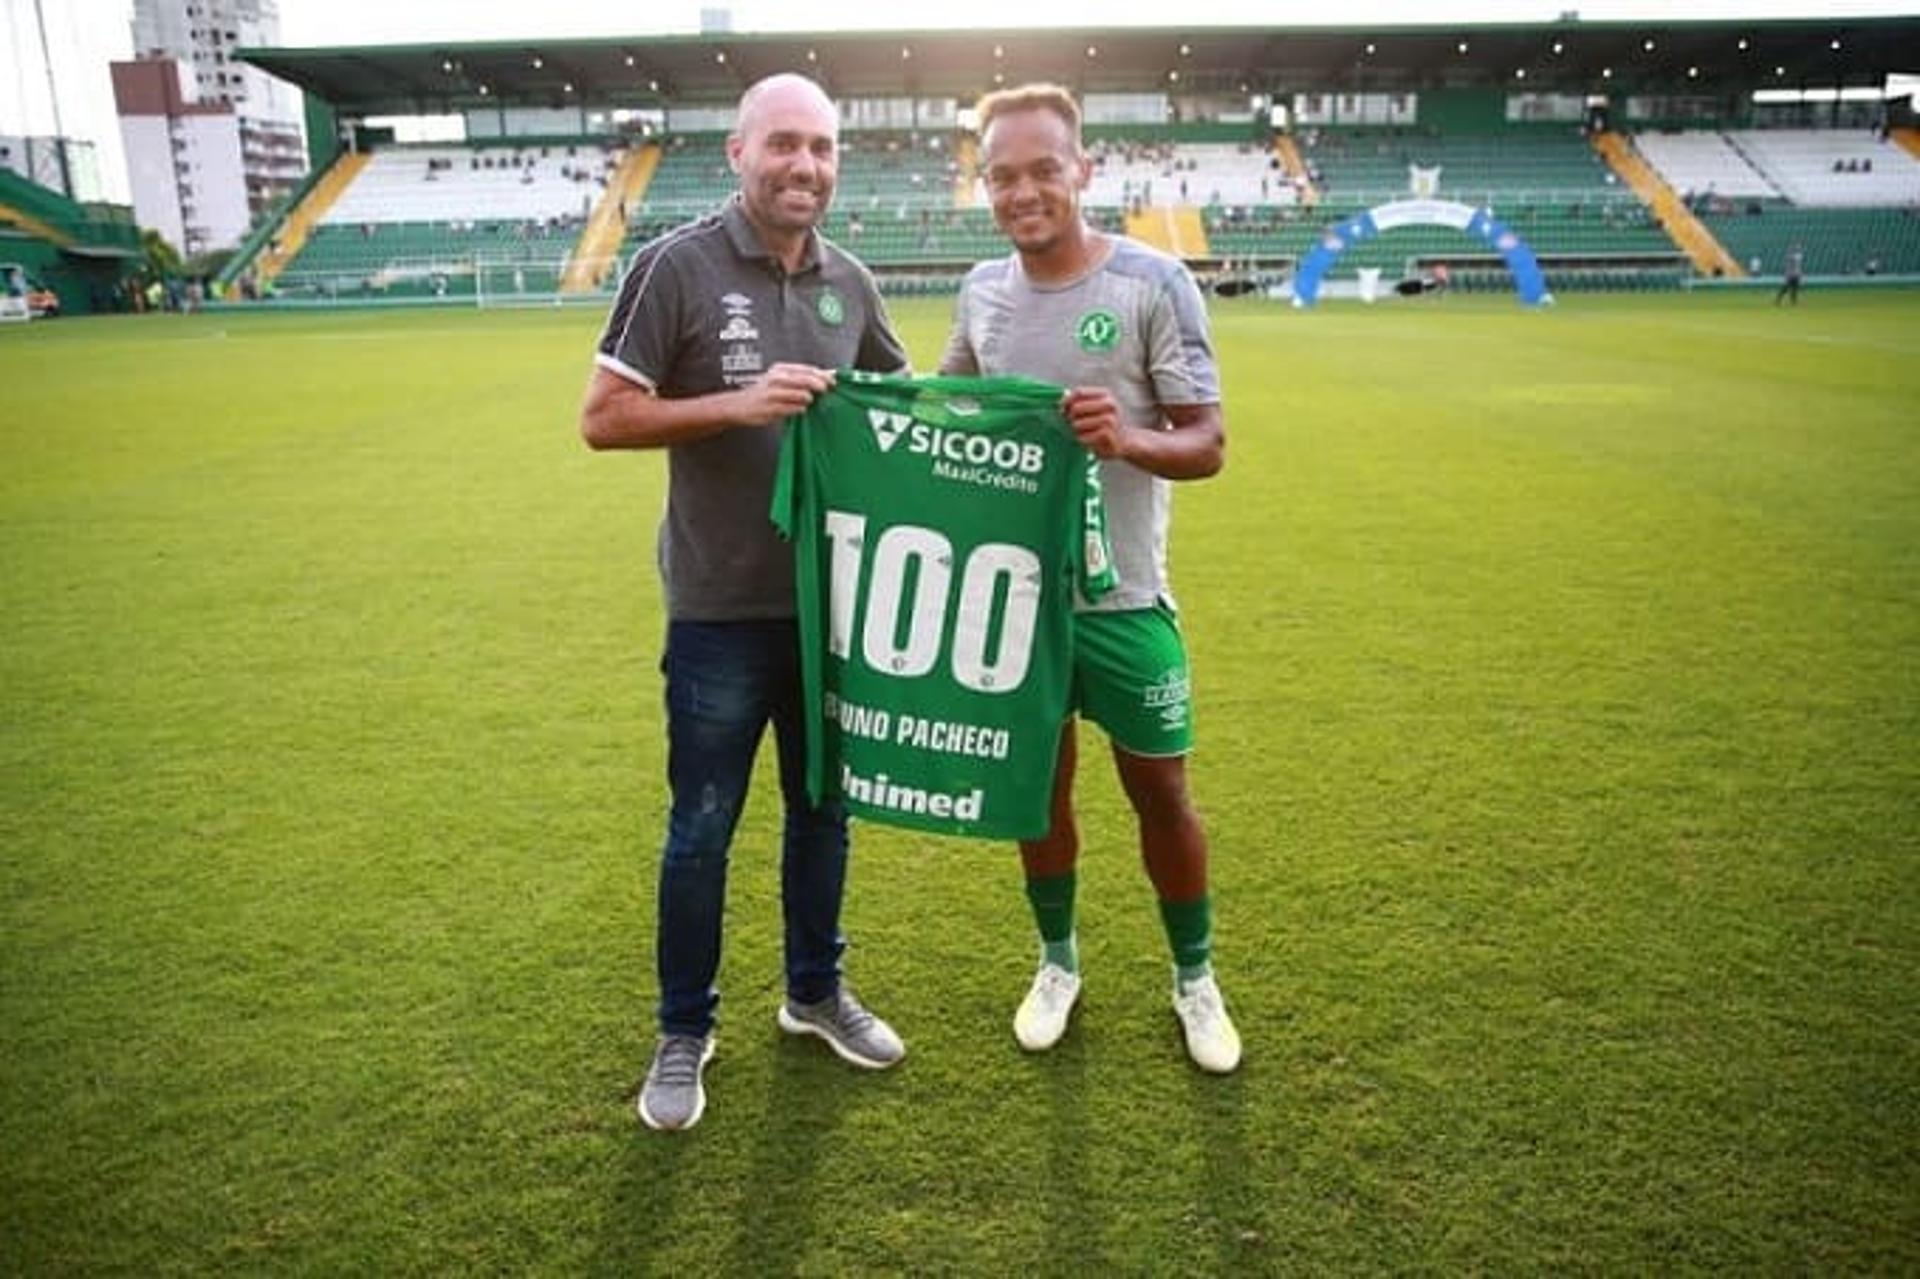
(936, 596)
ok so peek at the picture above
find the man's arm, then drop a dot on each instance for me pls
(1195, 448)
(623, 414)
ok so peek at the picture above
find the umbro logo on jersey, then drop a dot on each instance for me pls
(736, 303)
(887, 427)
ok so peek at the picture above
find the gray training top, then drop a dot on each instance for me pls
(707, 308)
(1133, 324)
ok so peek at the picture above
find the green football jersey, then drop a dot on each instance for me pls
(940, 527)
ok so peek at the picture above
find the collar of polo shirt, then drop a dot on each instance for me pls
(746, 241)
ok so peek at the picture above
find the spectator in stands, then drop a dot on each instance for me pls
(1790, 285)
(790, 308)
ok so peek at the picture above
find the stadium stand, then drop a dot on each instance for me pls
(896, 203)
(596, 255)
(1545, 184)
(419, 219)
(1703, 162)
(1829, 168)
(1709, 257)
(1128, 174)
(412, 226)
(891, 171)
(444, 184)
(1850, 201)
(1195, 168)
(83, 253)
(922, 236)
(400, 259)
(1475, 168)
(1834, 242)
(1598, 211)
(422, 221)
(692, 176)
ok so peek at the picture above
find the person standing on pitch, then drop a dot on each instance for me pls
(1124, 326)
(724, 328)
(1790, 286)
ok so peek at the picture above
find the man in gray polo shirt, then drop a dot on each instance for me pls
(723, 329)
(1124, 326)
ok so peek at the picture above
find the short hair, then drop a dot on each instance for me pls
(1030, 97)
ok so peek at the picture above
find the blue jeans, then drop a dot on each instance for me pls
(725, 681)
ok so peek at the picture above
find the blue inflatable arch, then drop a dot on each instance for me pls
(1528, 281)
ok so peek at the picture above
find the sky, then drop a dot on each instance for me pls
(371, 21)
(83, 36)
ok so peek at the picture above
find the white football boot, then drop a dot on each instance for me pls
(1042, 1016)
(1212, 1041)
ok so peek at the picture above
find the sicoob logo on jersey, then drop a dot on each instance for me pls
(959, 454)
(1097, 330)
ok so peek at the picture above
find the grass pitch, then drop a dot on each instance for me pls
(1560, 750)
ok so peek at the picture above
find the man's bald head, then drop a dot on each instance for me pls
(778, 93)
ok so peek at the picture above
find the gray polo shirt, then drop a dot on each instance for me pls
(707, 308)
(1134, 324)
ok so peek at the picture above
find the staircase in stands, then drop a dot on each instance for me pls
(1709, 256)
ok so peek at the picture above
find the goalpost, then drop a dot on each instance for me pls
(508, 280)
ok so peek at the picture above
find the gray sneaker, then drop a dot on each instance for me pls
(849, 1029)
(673, 1096)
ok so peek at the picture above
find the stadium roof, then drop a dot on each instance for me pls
(1570, 56)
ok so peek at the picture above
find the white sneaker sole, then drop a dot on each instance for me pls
(794, 1026)
(699, 1098)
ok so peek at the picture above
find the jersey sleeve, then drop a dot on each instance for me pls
(1094, 573)
(782, 510)
(959, 360)
(1179, 347)
(792, 515)
(642, 336)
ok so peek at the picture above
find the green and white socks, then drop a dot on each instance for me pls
(1189, 928)
(1052, 902)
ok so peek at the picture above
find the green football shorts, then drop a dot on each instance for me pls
(1130, 678)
